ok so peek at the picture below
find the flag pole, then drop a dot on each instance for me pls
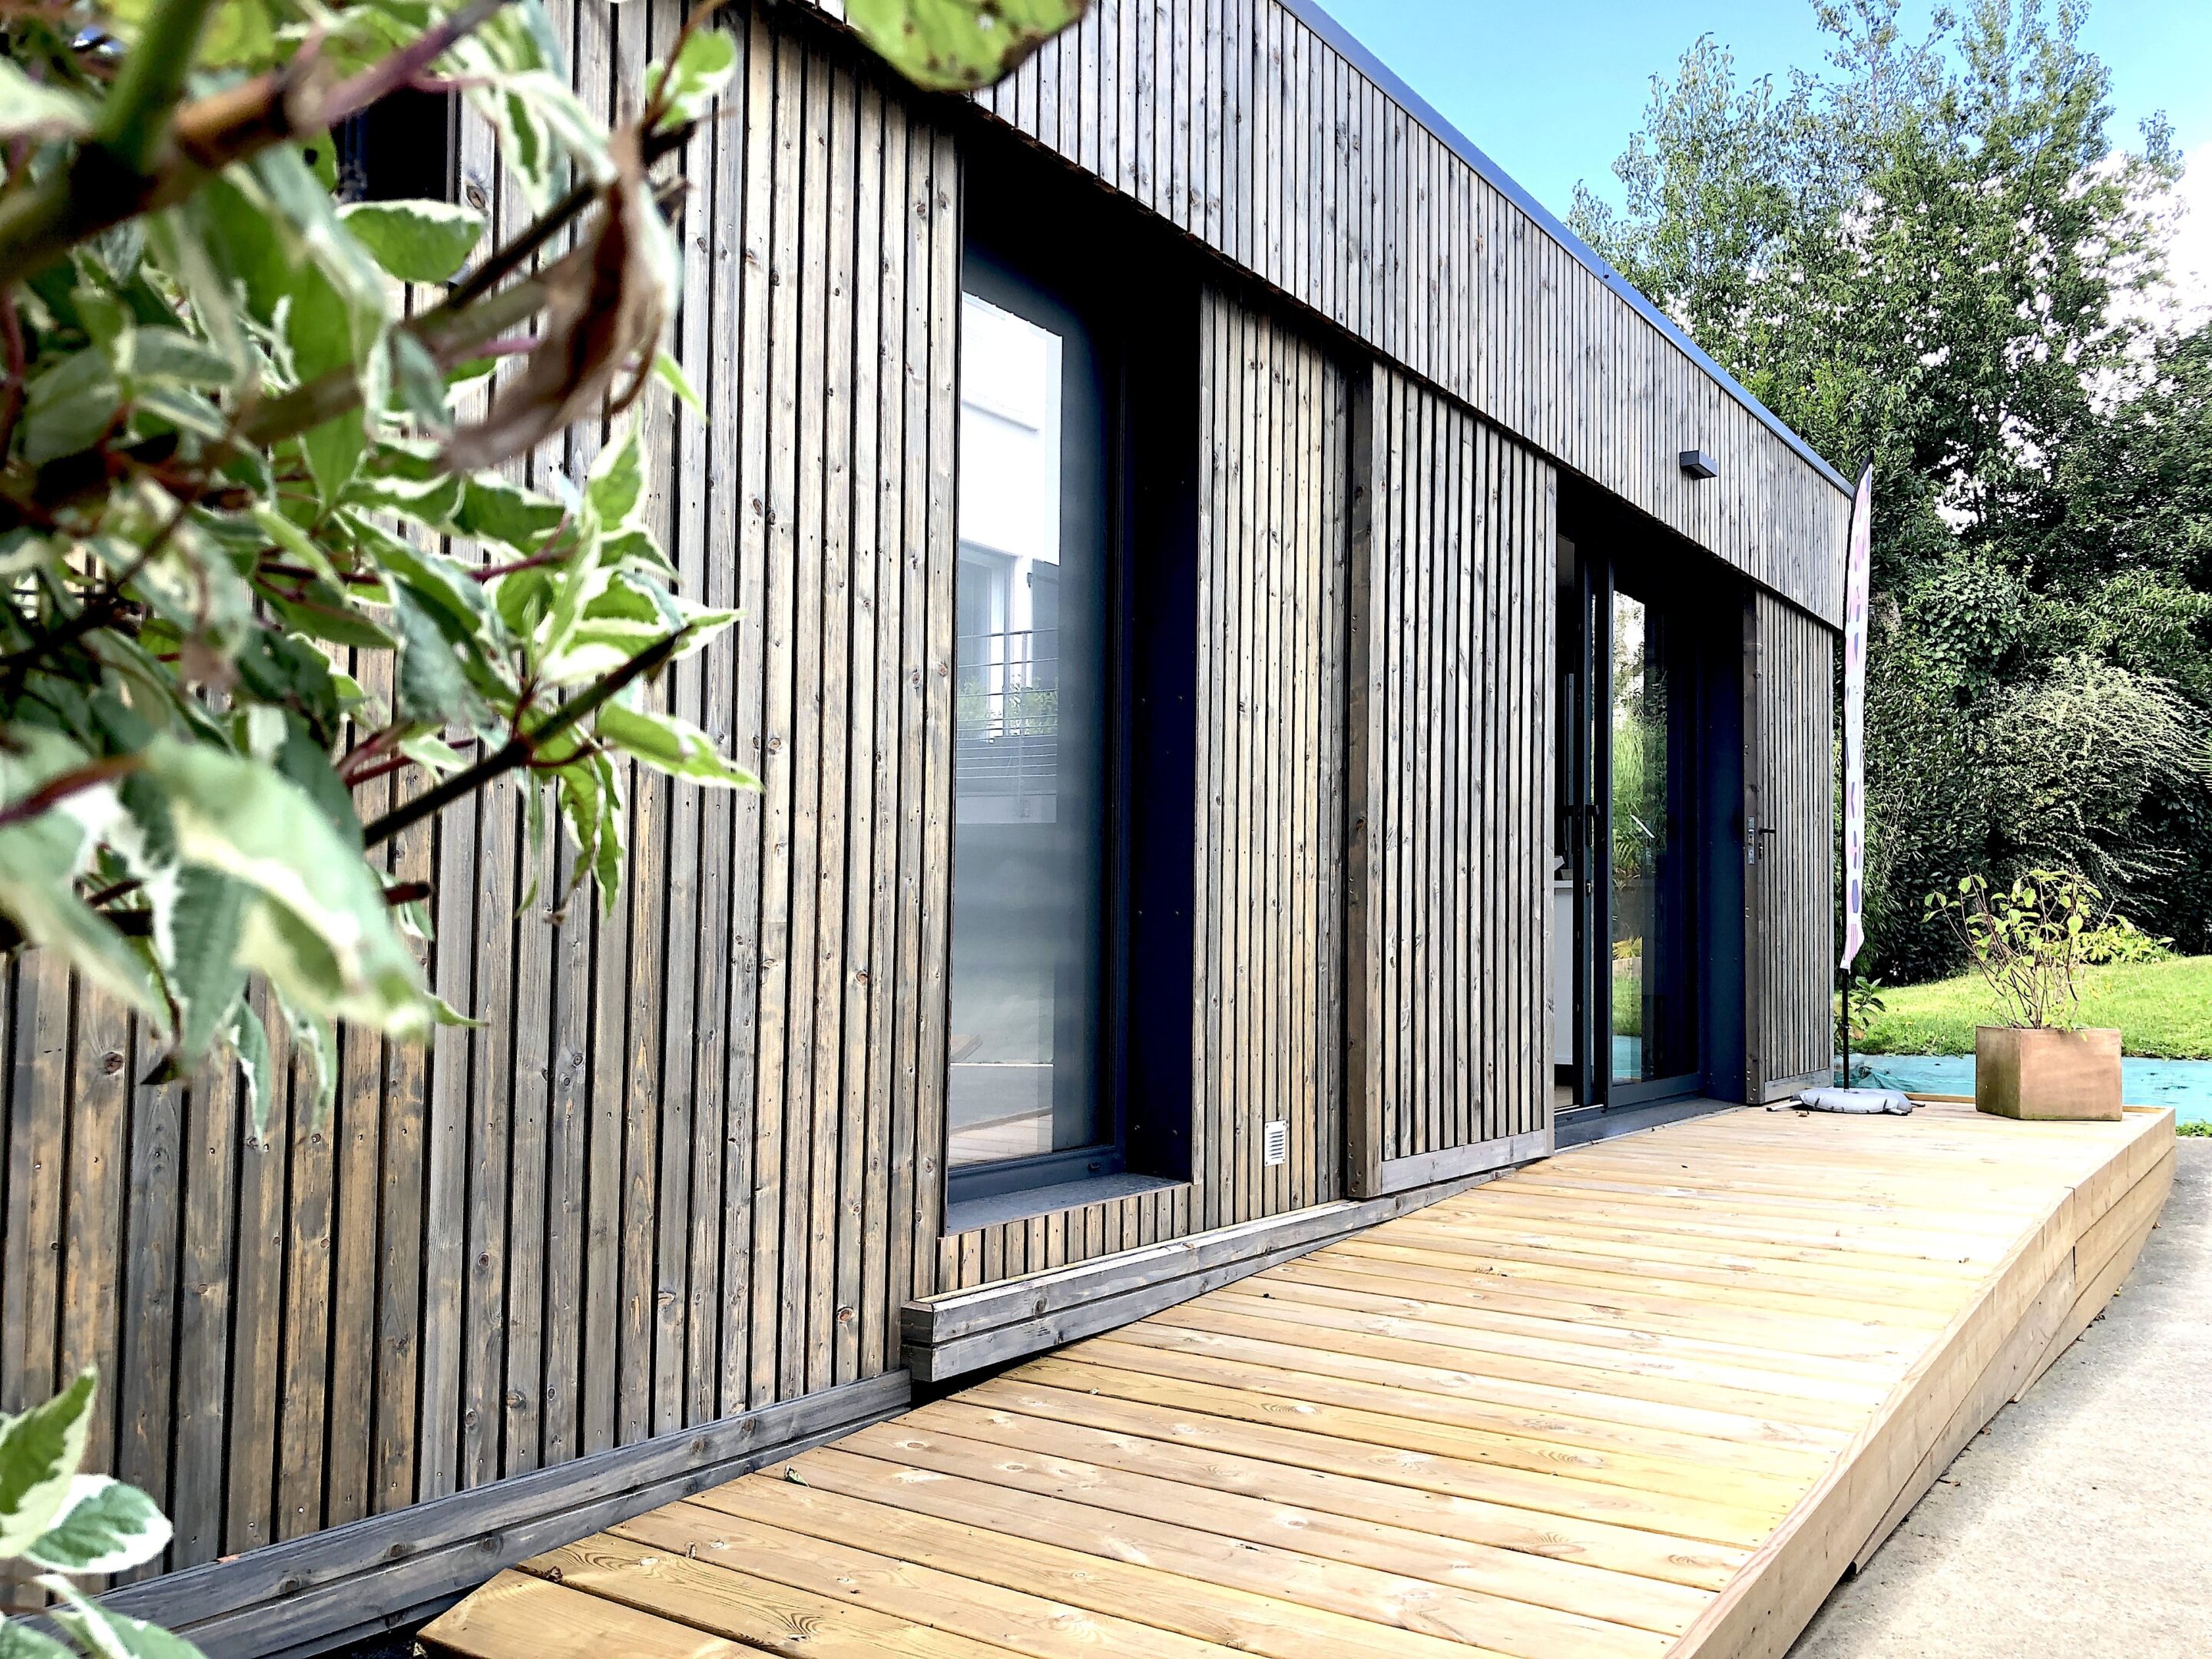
(1858, 559)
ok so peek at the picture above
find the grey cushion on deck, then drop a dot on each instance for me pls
(1847, 1100)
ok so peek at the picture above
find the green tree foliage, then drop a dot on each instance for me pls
(1931, 253)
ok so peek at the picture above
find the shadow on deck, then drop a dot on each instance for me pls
(1650, 1397)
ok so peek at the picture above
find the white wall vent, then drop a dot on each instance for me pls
(1275, 1142)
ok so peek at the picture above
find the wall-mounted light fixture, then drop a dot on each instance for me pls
(1699, 465)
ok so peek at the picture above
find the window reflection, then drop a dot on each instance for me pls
(1029, 745)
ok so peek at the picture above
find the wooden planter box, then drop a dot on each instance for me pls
(2047, 1074)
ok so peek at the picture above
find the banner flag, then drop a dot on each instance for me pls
(1857, 573)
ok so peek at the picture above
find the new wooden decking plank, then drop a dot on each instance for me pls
(868, 1578)
(1882, 1242)
(1608, 1193)
(1438, 1367)
(1507, 1262)
(1406, 1420)
(1132, 1590)
(1062, 1460)
(1364, 1478)
(517, 1614)
(1449, 1286)
(1739, 1370)
(1319, 1283)
(1496, 1467)
(712, 1594)
(1759, 1615)
(1812, 1271)
(1544, 1416)
(1490, 1407)
(940, 1477)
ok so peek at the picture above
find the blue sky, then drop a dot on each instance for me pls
(1551, 92)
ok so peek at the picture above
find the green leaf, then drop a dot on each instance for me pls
(41, 858)
(318, 326)
(617, 484)
(40, 1454)
(671, 745)
(302, 758)
(957, 46)
(325, 613)
(195, 937)
(238, 32)
(432, 686)
(701, 71)
(670, 373)
(496, 510)
(416, 377)
(19, 1641)
(70, 407)
(110, 1635)
(322, 933)
(168, 354)
(247, 1039)
(446, 585)
(607, 865)
(312, 1033)
(104, 1527)
(187, 411)
(635, 546)
(288, 536)
(417, 241)
(32, 109)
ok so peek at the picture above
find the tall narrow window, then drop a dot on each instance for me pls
(1652, 749)
(1032, 606)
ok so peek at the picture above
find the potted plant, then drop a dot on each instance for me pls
(2034, 944)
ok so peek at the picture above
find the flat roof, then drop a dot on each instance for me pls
(1310, 13)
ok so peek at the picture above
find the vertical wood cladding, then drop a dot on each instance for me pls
(1273, 537)
(1451, 781)
(1235, 121)
(690, 1165)
(1793, 764)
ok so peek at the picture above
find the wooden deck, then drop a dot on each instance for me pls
(1649, 1397)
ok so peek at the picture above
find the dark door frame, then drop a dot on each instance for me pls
(1715, 771)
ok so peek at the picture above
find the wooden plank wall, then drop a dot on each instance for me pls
(1239, 123)
(690, 1166)
(1793, 945)
(1451, 777)
(1273, 537)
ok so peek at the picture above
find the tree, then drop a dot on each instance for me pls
(232, 462)
(1929, 253)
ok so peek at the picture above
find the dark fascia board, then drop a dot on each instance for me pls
(1311, 15)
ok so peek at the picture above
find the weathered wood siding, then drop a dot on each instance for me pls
(1791, 771)
(1449, 882)
(1244, 125)
(689, 1166)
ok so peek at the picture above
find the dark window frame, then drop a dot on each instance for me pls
(1029, 222)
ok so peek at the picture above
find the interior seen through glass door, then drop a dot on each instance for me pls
(1650, 975)
(1028, 871)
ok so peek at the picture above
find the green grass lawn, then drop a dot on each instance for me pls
(2163, 1009)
